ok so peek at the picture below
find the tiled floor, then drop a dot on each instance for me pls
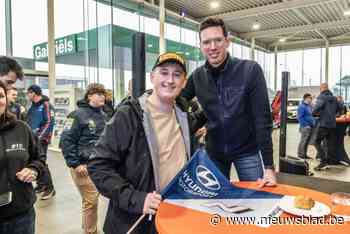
(61, 215)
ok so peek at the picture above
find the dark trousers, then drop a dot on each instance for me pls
(249, 168)
(326, 150)
(23, 224)
(305, 137)
(45, 180)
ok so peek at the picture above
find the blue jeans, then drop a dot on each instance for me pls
(24, 224)
(249, 168)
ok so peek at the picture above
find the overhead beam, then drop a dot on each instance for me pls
(347, 34)
(295, 42)
(302, 16)
(268, 9)
(305, 44)
(295, 29)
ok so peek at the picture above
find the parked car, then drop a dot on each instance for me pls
(292, 109)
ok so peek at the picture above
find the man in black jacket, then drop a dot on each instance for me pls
(142, 148)
(82, 130)
(234, 97)
(326, 108)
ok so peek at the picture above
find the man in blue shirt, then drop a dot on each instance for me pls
(306, 122)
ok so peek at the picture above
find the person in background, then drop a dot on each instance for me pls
(108, 107)
(344, 110)
(306, 123)
(10, 71)
(234, 97)
(14, 107)
(198, 138)
(142, 148)
(326, 108)
(40, 118)
(19, 166)
(77, 143)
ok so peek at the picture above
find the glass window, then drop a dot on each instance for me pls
(190, 37)
(312, 67)
(334, 66)
(345, 73)
(62, 13)
(245, 52)
(126, 19)
(172, 32)
(237, 50)
(294, 66)
(151, 26)
(28, 27)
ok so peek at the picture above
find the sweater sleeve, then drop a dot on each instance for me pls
(261, 113)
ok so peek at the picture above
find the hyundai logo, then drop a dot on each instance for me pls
(207, 178)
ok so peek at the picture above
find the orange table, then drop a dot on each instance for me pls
(173, 219)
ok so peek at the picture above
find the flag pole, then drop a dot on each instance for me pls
(136, 224)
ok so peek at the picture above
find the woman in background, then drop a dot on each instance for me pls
(19, 166)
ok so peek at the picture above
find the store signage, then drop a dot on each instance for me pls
(64, 46)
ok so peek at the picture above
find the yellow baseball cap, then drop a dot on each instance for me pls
(170, 57)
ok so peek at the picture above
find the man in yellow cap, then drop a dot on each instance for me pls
(143, 147)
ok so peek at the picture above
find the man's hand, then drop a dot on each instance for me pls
(269, 179)
(151, 204)
(81, 170)
(26, 175)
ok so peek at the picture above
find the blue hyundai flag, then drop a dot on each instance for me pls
(200, 186)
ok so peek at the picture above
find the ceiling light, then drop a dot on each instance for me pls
(187, 53)
(214, 5)
(149, 45)
(347, 12)
(182, 14)
(256, 26)
(282, 39)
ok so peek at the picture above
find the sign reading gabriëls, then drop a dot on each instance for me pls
(64, 45)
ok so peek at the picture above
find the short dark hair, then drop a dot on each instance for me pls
(212, 22)
(307, 95)
(8, 64)
(35, 89)
(94, 88)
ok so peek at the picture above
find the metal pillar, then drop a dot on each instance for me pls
(51, 48)
(276, 68)
(252, 49)
(8, 27)
(326, 68)
(162, 45)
